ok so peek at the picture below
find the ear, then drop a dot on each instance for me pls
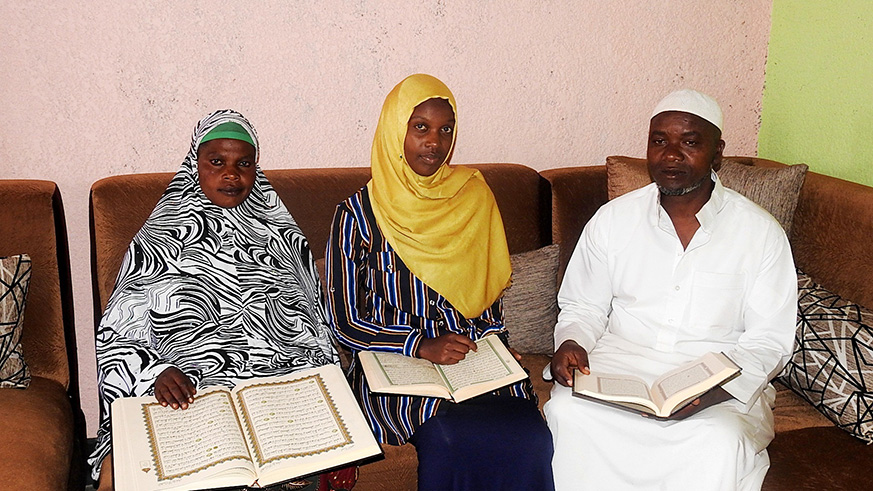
(716, 159)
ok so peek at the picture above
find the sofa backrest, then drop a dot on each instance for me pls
(576, 193)
(524, 199)
(32, 222)
(119, 206)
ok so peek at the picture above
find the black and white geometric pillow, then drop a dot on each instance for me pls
(14, 280)
(832, 364)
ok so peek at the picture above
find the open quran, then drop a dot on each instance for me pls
(490, 367)
(262, 432)
(669, 392)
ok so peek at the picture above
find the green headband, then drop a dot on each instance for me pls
(231, 130)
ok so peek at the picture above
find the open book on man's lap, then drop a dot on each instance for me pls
(668, 394)
(262, 432)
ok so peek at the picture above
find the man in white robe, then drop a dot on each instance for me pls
(659, 277)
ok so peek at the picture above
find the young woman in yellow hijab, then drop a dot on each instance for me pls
(416, 264)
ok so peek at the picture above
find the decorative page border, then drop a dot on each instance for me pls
(380, 357)
(255, 445)
(156, 459)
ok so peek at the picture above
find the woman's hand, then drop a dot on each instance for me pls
(173, 388)
(446, 349)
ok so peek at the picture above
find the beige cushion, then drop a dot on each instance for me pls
(14, 280)
(832, 363)
(530, 304)
(775, 189)
(625, 174)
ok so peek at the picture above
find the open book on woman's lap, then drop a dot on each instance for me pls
(264, 431)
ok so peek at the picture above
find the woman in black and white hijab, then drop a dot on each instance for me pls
(218, 286)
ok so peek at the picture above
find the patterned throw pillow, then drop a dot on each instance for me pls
(775, 189)
(530, 305)
(14, 280)
(832, 364)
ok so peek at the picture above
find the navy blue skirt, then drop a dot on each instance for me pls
(489, 442)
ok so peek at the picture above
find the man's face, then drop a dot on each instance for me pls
(226, 169)
(682, 151)
(429, 134)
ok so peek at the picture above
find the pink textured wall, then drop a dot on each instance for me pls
(98, 88)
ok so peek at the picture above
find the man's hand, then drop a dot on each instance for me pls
(446, 349)
(569, 356)
(710, 398)
(173, 388)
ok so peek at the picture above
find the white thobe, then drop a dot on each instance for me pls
(639, 303)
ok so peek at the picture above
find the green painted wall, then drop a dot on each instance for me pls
(818, 96)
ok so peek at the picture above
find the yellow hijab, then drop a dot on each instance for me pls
(446, 227)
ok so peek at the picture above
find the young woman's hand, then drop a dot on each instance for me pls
(173, 388)
(446, 349)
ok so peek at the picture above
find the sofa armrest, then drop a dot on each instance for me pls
(831, 242)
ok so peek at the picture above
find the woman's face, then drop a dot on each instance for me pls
(226, 169)
(429, 134)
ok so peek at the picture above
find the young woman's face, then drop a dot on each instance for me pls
(429, 136)
(226, 169)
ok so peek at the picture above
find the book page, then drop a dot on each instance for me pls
(683, 379)
(483, 365)
(291, 418)
(622, 387)
(405, 370)
(187, 441)
(625, 391)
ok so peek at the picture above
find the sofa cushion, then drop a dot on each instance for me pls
(817, 459)
(14, 281)
(832, 364)
(776, 189)
(396, 471)
(625, 174)
(530, 304)
(37, 437)
(793, 412)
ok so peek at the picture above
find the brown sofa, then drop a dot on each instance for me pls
(552, 207)
(41, 427)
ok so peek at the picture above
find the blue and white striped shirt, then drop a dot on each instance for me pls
(376, 303)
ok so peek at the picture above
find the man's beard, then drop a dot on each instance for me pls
(682, 191)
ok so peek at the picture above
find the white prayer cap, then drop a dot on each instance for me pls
(692, 102)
